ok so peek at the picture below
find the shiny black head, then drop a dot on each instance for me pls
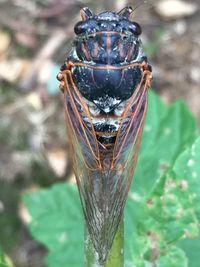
(107, 38)
(107, 57)
(107, 21)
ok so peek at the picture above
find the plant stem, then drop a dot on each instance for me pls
(115, 256)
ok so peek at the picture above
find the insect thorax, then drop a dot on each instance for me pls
(104, 54)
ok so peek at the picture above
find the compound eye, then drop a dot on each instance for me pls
(135, 28)
(80, 28)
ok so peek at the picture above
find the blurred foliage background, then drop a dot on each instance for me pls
(35, 36)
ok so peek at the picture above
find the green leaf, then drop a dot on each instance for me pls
(191, 248)
(157, 111)
(187, 169)
(168, 130)
(58, 224)
(175, 258)
(4, 260)
(158, 221)
(162, 207)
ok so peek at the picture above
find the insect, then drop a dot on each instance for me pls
(104, 81)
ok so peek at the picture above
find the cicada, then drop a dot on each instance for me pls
(104, 81)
